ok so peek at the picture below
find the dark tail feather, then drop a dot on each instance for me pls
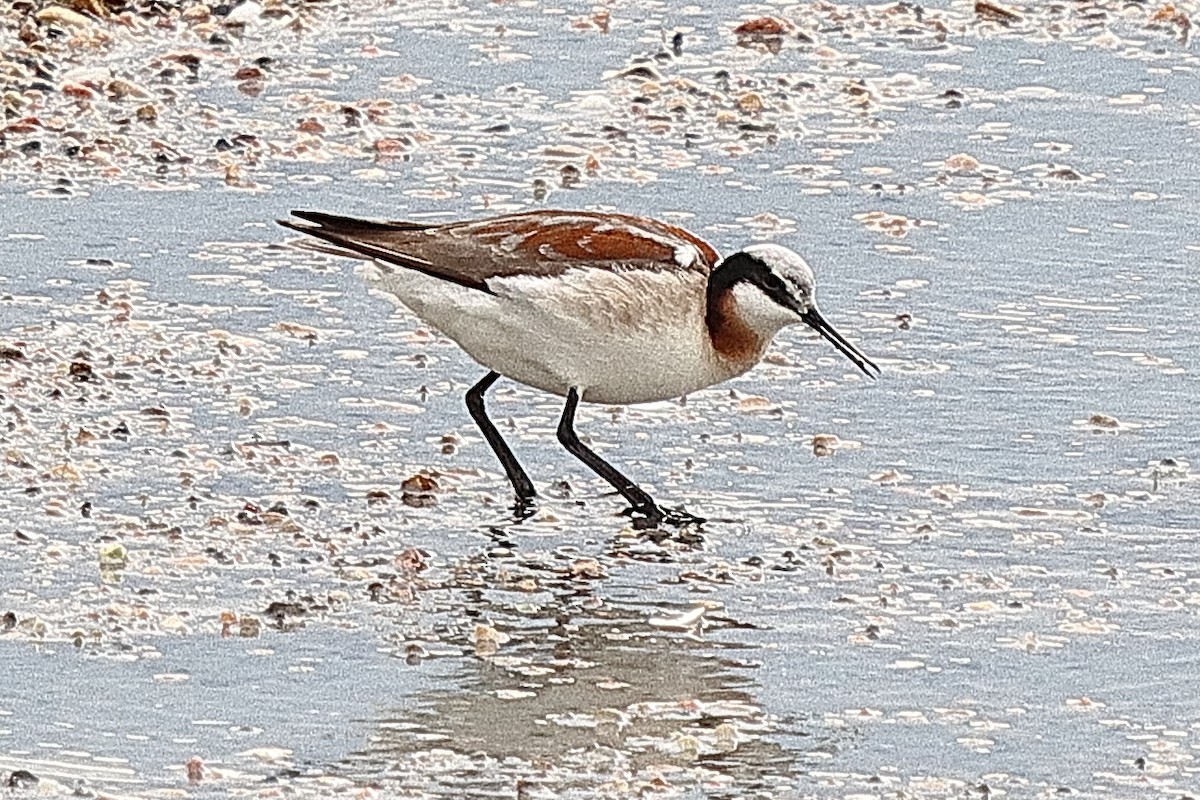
(321, 247)
(347, 233)
(369, 240)
(346, 239)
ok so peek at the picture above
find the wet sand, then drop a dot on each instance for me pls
(973, 577)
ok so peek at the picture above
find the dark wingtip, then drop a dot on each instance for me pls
(344, 224)
(320, 217)
(322, 225)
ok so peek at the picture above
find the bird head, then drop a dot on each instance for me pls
(774, 287)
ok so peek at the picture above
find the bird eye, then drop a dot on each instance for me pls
(773, 282)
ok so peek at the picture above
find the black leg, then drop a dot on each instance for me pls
(516, 475)
(642, 503)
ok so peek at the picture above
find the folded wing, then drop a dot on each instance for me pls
(534, 243)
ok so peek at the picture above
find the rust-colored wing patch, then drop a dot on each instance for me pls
(583, 242)
(535, 243)
(604, 241)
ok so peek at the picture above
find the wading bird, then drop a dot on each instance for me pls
(605, 308)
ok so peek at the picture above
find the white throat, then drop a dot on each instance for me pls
(760, 313)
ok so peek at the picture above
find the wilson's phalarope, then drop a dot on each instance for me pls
(607, 308)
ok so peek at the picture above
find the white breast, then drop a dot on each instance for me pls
(620, 337)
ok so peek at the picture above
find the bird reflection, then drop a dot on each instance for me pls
(578, 691)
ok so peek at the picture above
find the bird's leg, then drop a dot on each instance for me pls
(642, 503)
(516, 475)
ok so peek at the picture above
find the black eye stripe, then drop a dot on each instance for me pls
(775, 288)
(749, 268)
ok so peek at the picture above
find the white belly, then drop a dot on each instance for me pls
(617, 337)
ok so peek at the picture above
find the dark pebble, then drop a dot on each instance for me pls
(81, 371)
(21, 779)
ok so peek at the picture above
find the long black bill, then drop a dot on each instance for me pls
(818, 323)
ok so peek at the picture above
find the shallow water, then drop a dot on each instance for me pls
(988, 588)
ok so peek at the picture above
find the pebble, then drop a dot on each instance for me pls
(63, 16)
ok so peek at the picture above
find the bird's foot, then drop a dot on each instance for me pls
(680, 518)
(652, 517)
(523, 508)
